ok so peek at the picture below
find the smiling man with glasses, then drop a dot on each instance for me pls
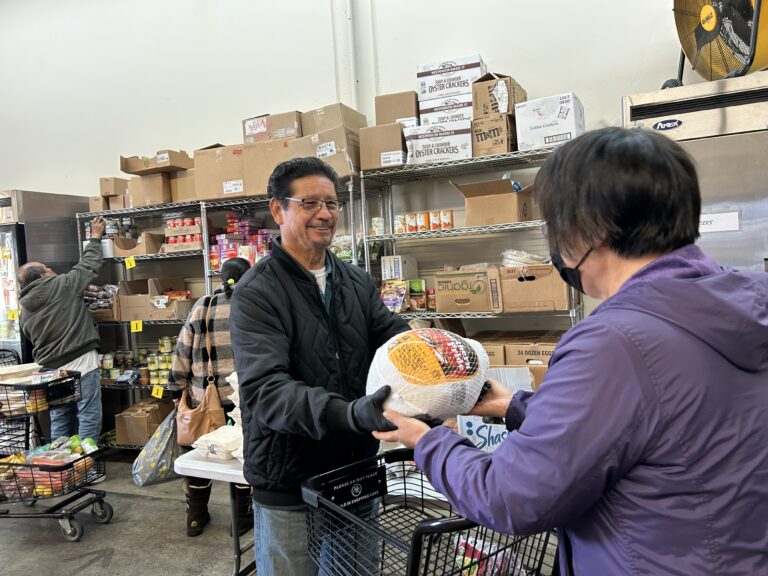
(305, 326)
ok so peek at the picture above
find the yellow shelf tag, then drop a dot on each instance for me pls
(6, 254)
(13, 314)
(157, 391)
(136, 326)
(130, 262)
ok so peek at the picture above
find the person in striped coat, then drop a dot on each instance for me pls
(190, 372)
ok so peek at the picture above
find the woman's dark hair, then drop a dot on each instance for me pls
(233, 269)
(635, 191)
(280, 181)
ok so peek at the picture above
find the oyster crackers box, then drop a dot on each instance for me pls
(485, 435)
(449, 77)
(439, 143)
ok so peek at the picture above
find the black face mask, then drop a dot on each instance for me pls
(570, 276)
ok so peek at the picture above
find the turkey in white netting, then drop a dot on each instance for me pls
(432, 373)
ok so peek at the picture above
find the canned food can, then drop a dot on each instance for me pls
(164, 376)
(400, 224)
(171, 223)
(170, 240)
(446, 219)
(152, 362)
(189, 221)
(198, 237)
(377, 226)
(154, 378)
(114, 374)
(107, 362)
(422, 221)
(179, 222)
(188, 238)
(411, 223)
(434, 220)
(198, 221)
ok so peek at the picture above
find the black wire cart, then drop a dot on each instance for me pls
(381, 516)
(21, 481)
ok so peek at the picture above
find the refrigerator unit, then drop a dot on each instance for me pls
(34, 227)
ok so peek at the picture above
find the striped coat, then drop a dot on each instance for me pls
(190, 359)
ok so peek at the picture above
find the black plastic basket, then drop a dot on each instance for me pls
(30, 399)
(381, 516)
(21, 482)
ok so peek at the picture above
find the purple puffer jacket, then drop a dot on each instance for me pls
(647, 442)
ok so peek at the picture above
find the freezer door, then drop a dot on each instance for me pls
(12, 255)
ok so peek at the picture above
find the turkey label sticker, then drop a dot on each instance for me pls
(428, 356)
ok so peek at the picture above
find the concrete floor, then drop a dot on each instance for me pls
(145, 538)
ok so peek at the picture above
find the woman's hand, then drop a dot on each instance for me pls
(494, 402)
(409, 430)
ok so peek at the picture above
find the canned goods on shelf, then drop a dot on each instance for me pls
(154, 378)
(107, 362)
(114, 374)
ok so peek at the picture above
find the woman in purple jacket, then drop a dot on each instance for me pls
(647, 442)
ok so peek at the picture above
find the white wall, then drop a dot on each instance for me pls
(84, 81)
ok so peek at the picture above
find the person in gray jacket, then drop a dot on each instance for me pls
(55, 319)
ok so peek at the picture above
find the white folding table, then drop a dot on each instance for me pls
(230, 471)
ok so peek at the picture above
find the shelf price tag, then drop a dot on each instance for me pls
(136, 326)
(157, 391)
(13, 314)
(6, 254)
(130, 262)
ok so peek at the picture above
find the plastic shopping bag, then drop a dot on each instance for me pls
(154, 463)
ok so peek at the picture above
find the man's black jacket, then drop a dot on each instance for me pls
(293, 357)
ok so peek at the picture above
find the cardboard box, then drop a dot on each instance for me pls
(147, 243)
(538, 373)
(183, 186)
(120, 202)
(444, 110)
(181, 247)
(428, 144)
(400, 107)
(219, 172)
(535, 288)
(493, 344)
(339, 147)
(113, 186)
(448, 78)
(149, 190)
(496, 94)
(493, 135)
(136, 296)
(97, 204)
(259, 161)
(332, 116)
(399, 267)
(163, 161)
(495, 202)
(183, 230)
(530, 348)
(108, 314)
(272, 127)
(548, 121)
(468, 291)
(382, 146)
(135, 426)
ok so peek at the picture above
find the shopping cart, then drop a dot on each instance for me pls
(381, 516)
(27, 482)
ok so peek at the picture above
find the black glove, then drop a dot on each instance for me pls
(366, 414)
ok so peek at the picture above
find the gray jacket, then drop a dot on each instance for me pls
(54, 316)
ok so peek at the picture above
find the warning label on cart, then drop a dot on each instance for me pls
(361, 488)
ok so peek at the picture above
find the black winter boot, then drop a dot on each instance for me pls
(244, 508)
(198, 491)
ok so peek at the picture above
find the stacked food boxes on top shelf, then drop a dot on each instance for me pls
(459, 111)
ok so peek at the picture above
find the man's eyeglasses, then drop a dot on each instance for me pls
(334, 206)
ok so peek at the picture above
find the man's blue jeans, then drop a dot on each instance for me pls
(280, 541)
(87, 411)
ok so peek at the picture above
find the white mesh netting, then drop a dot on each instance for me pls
(432, 372)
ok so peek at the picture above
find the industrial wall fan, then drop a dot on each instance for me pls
(721, 38)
